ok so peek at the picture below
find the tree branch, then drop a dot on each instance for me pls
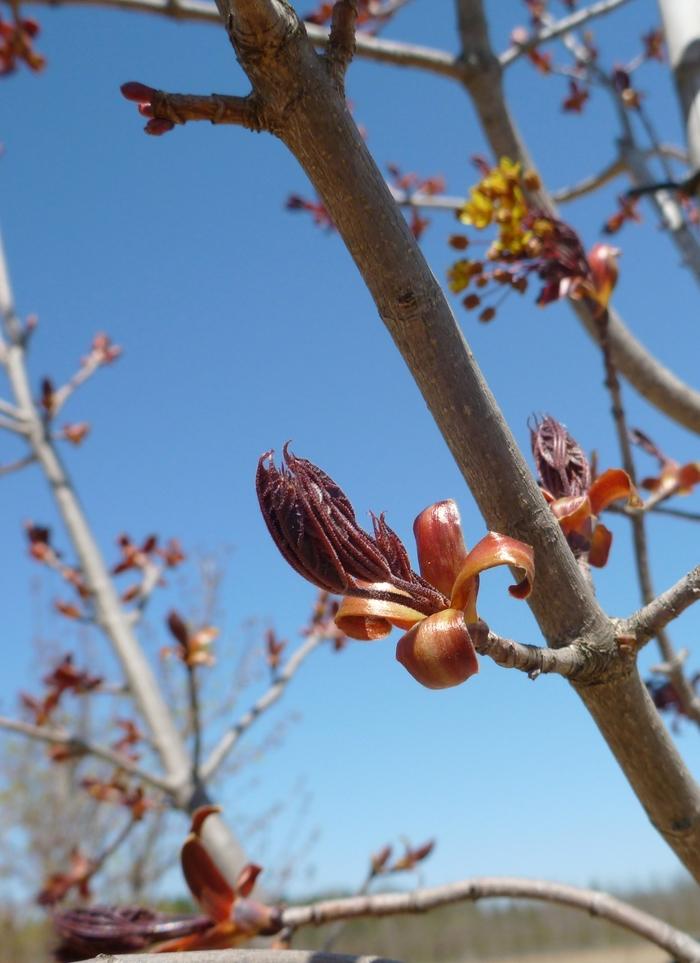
(13, 466)
(647, 622)
(83, 747)
(571, 661)
(230, 738)
(558, 28)
(615, 911)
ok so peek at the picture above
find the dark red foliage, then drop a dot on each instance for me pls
(313, 525)
(89, 931)
(626, 211)
(561, 464)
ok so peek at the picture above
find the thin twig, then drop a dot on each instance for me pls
(648, 621)
(98, 862)
(682, 946)
(232, 735)
(8, 409)
(195, 720)
(9, 424)
(83, 747)
(590, 184)
(683, 513)
(18, 465)
(62, 394)
(557, 28)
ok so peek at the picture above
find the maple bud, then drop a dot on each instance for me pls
(139, 93)
(438, 651)
(158, 126)
(602, 259)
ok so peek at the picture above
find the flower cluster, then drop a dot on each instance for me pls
(193, 645)
(575, 498)
(16, 45)
(313, 525)
(527, 242)
(673, 478)
(64, 678)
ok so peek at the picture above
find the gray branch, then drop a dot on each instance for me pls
(230, 738)
(650, 619)
(571, 661)
(558, 28)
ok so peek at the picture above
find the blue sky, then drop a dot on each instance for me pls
(244, 326)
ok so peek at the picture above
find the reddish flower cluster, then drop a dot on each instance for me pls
(77, 876)
(75, 433)
(313, 525)
(118, 792)
(274, 647)
(666, 698)
(16, 45)
(673, 478)
(144, 558)
(102, 351)
(410, 184)
(131, 737)
(317, 209)
(577, 98)
(63, 678)
(193, 645)
(626, 211)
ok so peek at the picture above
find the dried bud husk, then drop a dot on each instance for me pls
(438, 651)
